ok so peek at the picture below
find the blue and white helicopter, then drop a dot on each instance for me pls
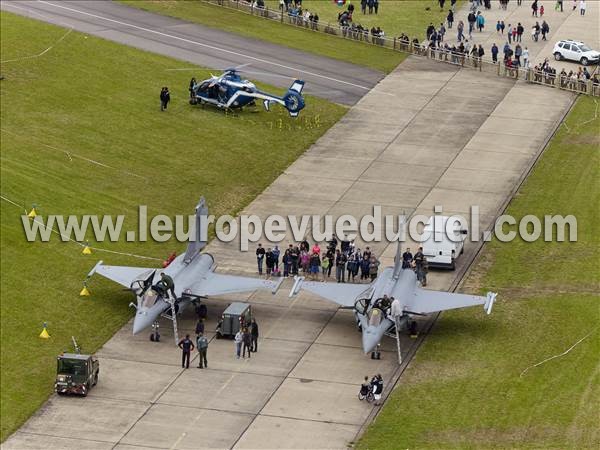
(229, 91)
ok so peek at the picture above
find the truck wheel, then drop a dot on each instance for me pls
(95, 380)
(557, 56)
(584, 61)
(219, 335)
(86, 388)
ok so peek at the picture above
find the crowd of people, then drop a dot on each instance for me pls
(355, 30)
(347, 263)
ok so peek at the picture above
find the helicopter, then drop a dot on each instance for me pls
(229, 91)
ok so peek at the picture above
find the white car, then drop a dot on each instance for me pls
(575, 51)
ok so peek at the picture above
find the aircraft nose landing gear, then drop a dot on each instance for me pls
(155, 336)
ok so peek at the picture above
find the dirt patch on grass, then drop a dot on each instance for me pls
(473, 282)
(585, 139)
(492, 437)
(434, 371)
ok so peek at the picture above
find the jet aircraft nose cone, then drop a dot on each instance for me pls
(370, 339)
(141, 321)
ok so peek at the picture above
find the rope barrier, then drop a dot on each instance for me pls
(72, 155)
(133, 255)
(558, 356)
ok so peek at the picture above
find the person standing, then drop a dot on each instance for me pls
(202, 346)
(545, 30)
(534, 8)
(509, 33)
(247, 341)
(582, 7)
(340, 266)
(276, 253)
(254, 335)
(472, 19)
(238, 339)
(494, 53)
(407, 259)
(421, 267)
(460, 29)
(450, 19)
(525, 56)
(518, 53)
(165, 98)
(480, 22)
(269, 261)
(187, 346)
(377, 388)
(559, 5)
(200, 326)
(373, 267)
(192, 87)
(260, 256)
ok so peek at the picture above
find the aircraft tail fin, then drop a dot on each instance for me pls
(293, 99)
(201, 227)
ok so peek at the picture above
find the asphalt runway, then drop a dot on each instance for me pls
(333, 80)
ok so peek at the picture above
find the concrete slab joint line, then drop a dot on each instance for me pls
(309, 350)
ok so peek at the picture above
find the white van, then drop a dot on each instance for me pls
(442, 246)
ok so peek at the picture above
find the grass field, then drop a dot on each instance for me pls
(466, 387)
(395, 16)
(77, 122)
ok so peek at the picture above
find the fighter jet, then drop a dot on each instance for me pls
(390, 300)
(194, 277)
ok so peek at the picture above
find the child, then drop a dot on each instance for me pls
(541, 10)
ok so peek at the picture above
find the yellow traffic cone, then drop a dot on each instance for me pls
(32, 213)
(86, 249)
(44, 334)
(85, 292)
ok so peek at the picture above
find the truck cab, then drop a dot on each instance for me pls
(444, 242)
(76, 373)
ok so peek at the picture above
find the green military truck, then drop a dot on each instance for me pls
(76, 373)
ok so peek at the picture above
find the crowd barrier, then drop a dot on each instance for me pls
(530, 75)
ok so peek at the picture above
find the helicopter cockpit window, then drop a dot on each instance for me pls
(375, 317)
(203, 86)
